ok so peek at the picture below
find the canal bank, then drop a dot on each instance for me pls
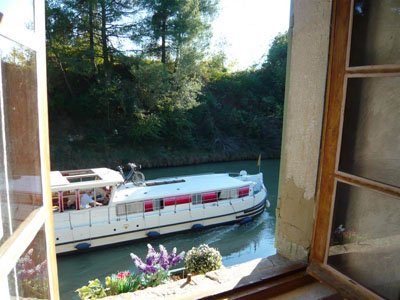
(236, 243)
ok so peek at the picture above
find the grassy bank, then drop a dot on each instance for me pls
(73, 156)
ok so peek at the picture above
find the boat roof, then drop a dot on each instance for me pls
(185, 185)
(84, 179)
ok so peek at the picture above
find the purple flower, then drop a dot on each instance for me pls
(23, 274)
(156, 260)
(29, 253)
(164, 262)
(174, 259)
(142, 267)
(43, 266)
(151, 269)
(177, 259)
(152, 256)
(27, 269)
(340, 229)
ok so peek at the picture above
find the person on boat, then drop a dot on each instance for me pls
(87, 201)
(106, 199)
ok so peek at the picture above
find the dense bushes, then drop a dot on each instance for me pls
(155, 102)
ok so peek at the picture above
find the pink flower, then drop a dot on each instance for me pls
(122, 275)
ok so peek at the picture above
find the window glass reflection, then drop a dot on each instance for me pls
(370, 148)
(365, 239)
(18, 14)
(376, 36)
(20, 184)
(29, 279)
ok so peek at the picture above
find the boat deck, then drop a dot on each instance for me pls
(84, 179)
(183, 186)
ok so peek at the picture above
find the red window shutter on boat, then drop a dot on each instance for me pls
(169, 201)
(244, 191)
(209, 197)
(183, 199)
(148, 205)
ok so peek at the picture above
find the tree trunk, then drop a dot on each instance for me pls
(163, 34)
(58, 61)
(91, 38)
(104, 40)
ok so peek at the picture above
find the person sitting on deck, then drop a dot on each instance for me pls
(87, 201)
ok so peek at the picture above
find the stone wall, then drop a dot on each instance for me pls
(304, 103)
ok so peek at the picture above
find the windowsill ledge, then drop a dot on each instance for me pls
(234, 278)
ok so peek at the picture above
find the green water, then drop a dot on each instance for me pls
(237, 243)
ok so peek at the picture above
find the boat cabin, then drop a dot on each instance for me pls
(68, 187)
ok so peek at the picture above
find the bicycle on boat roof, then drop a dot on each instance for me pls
(134, 176)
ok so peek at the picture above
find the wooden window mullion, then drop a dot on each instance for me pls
(329, 175)
(334, 98)
(369, 184)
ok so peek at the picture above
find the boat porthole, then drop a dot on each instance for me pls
(57, 239)
(137, 225)
(115, 229)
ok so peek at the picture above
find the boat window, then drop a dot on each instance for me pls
(129, 208)
(158, 204)
(234, 193)
(135, 207)
(121, 210)
(228, 194)
(196, 199)
(183, 199)
(244, 191)
(148, 205)
(169, 201)
(209, 197)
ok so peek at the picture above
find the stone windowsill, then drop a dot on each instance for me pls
(214, 282)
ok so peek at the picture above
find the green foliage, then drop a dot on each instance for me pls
(174, 26)
(203, 259)
(118, 284)
(104, 97)
(94, 290)
(152, 280)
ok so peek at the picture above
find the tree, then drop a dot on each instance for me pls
(172, 25)
(274, 67)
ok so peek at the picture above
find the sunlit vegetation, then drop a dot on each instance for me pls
(133, 81)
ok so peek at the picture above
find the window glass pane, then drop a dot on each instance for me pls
(4, 213)
(365, 239)
(10, 287)
(20, 187)
(18, 13)
(29, 278)
(370, 148)
(376, 35)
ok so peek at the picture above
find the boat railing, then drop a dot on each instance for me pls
(113, 214)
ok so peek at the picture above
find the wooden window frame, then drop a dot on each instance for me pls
(328, 172)
(17, 243)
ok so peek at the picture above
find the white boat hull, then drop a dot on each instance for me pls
(89, 229)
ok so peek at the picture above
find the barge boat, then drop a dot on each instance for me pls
(126, 209)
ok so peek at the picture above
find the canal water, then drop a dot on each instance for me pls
(237, 243)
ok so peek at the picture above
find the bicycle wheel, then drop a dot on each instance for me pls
(138, 177)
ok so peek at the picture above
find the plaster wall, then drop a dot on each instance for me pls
(304, 102)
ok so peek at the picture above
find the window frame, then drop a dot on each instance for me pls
(328, 172)
(17, 243)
